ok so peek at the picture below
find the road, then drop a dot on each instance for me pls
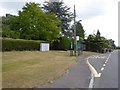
(107, 66)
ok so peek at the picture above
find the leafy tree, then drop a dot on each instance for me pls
(104, 42)
(98, 43)
(9, 23)
(91, 37)
(0, 26)
(0, 22)
(62, 13)
(31, 23)
(118, 47)
(35, 24)
(112, 44)
(98, 35)
(91, 44)
(79, 30)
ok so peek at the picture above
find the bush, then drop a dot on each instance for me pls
(62, 43)
(20, 45)
(118, 47)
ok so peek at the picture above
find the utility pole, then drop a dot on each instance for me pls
(75, 42)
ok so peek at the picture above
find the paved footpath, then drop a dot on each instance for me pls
(78, 77)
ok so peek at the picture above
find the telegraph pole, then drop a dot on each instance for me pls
(75, 42)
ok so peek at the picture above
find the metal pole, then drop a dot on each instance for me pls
(75, 48)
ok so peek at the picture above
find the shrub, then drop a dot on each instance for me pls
(62, 43)
(20, 45)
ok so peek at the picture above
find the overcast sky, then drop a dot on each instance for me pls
(95, 14)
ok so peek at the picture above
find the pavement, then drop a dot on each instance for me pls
(77, 77)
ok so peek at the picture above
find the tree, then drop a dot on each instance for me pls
(91, 44)
(112, 44)
(94, 42)
(91, 37)
(0, 26)
(9, 25)
(118, 47)
(62, 13)
(0, 22)
(79, 30)
(99, 43)
(98, 35)
(35, 24)
(31, 23)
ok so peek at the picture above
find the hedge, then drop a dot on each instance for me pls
(62, 43)
(20, 45)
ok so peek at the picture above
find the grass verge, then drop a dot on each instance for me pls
(28, 69)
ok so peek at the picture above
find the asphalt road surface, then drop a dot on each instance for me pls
(107, 65)
(77, 77)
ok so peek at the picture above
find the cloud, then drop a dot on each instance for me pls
(93, 8)
(88, 13)
(89, 8)
(85, 8)
(13, 6)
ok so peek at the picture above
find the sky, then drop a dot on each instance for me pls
(96, 15)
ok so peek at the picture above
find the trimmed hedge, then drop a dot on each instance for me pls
(20, 45)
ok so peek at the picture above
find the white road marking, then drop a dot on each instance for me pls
(91, 81)
(107, 58)
(94, 73)
(98, 57)
(102, 68)
(93, 70)
(104, 65)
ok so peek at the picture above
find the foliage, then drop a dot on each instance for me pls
(118, 47)
(31, 23)
(36, 25)
(10, 33)
(20, 45)
(97, 43)
(98, 33)
(9, 23)
(62, 43)
(79, 30)
(62, 13)
(0, 22)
